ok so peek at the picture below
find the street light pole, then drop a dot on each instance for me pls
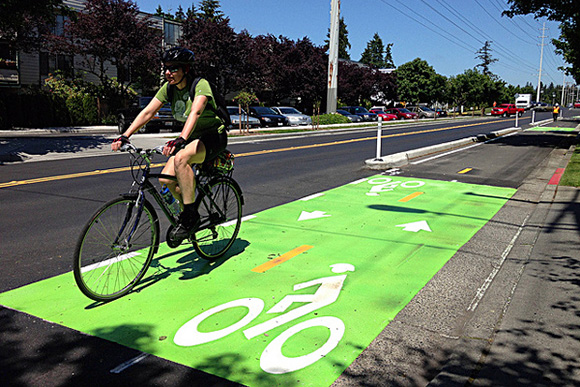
(332, 93)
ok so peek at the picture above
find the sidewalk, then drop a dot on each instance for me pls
(535, 339)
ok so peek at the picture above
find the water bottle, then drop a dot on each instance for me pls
(170, 200)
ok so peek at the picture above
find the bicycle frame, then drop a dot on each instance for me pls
(145, 185)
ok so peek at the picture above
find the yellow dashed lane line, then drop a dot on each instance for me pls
(124, 169)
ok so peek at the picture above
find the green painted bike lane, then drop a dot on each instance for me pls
(306, 288)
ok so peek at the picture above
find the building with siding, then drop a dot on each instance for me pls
(24, 69)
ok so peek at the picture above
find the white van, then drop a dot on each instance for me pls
(524, 101)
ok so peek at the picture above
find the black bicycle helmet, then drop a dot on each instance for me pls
(178, 55)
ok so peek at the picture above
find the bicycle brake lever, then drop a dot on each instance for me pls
(128, 148)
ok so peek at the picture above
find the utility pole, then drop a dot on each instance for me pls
(332, 92)
(541, 58)
(563, 83)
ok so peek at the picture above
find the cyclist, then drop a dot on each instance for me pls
(203, 135)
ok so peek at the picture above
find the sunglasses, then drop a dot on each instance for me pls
(171, 69)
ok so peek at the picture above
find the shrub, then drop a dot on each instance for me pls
(331, 119)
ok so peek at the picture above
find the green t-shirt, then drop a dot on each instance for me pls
(181, 107)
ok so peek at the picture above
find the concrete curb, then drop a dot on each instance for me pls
(404, 158)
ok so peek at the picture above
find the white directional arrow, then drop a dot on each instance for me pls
(415, 226)
(312, 215)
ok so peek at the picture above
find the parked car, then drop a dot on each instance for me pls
(235, 117)
(506, 110)
(267, 116)
(542, 107)
(441, 112)
(383, 115)
(402, 113)
(577, 104)
(351, 117)
(361, 112)
(294, 116)
(422, 111)
(163, 118)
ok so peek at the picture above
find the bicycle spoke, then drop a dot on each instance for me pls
(115, 249)
(222, 207)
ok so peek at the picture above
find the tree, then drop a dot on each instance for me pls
(216, 49)
(389, 63)
(473, 88)
(180, 15)
(419, 83)
(374, 52)
(354, 86)
(565, 12)
(166, 15)
(484, 55)
(363, 85)
(132, 50)
(210, 10)
(21, 22)
(343, 43)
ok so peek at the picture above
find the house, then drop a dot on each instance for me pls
(24, 69)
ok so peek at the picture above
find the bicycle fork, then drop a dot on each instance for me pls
(126, 243)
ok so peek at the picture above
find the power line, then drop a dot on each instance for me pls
(449, 20)
(501, 25)
(459, 43)
(504, 54)
(501, 9)
(506, 51)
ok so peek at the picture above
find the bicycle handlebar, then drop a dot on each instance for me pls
(133, 149)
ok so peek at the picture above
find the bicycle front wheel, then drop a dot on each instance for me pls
(222, 209)
(116, 248)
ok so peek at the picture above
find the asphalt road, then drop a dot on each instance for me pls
(41, 220)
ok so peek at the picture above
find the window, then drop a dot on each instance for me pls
(8, 65)
(58, 27)
(50, 63)
(172, 33)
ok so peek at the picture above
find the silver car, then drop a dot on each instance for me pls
(234, 113)
(294, 116)
(422, 111)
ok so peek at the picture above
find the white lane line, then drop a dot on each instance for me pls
(109, 261)
(314, 196)
(232, 222)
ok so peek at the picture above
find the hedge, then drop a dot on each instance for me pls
(40, 109)
(331, 119)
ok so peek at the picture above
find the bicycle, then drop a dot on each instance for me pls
(118, 243)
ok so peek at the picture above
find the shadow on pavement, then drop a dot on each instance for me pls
(14, 150)
(58, 356)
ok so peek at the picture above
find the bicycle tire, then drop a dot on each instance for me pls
(214, 241)
(104, 269)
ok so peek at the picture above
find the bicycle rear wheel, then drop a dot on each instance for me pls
(116, 248)
(222, 208)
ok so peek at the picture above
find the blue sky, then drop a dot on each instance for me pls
(445, 33)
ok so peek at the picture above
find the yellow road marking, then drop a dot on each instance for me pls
(123, 169)
(465, 170)
(411, 197)
(69, 176)
(281, 259)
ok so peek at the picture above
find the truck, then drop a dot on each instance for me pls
(506, 110)
(524, 101)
